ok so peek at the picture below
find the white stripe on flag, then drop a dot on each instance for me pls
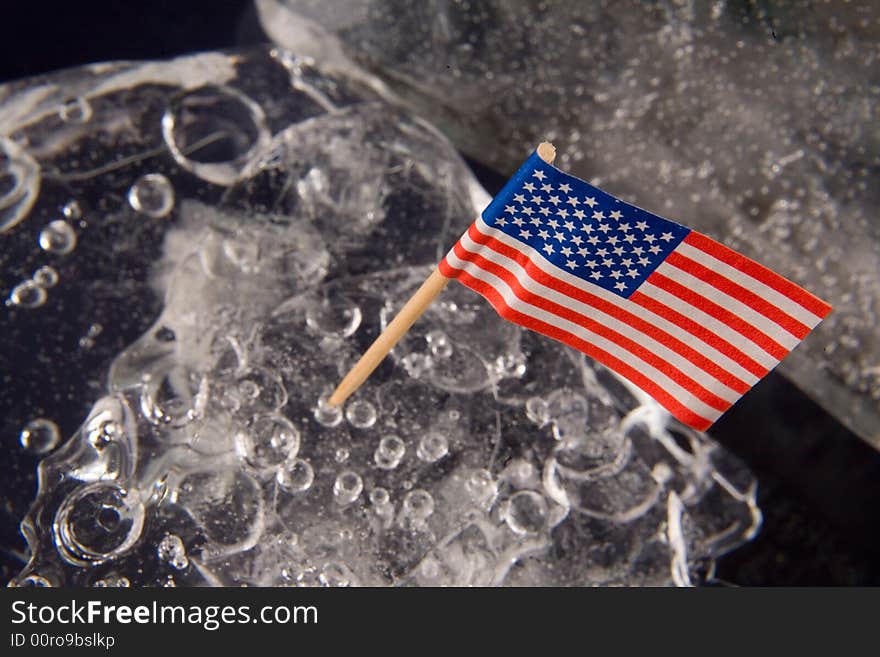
(730, 303)
(734, 338)
(719, 328)
(646, 341)
(683, 396)
(786, 305)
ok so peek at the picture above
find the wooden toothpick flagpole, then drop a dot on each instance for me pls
(407, 316)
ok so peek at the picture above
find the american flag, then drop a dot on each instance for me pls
(686, 319)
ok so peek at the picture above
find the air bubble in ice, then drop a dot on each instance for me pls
(416, 364)
(262, 389)
(295, 476)
(19, 183)
(88, 340)
(327, 415)
(418, 505)
(525, 512)
(335, 317)
(39, 436)
(341, 454)
(72, 210)
(438, 343)
(509, 366)
(175, 398)
(45, 277)
(98, 522)
(172, 551)
(102, 430)
(520, 473)
(432, 447)
(113, 582)
(152, 195)
(27, 295)
(214, 131)
(379, 497)
(361, 414)
(268, 441)
(58, 237)
(32, 581)
(347, 487)
(389, 453)
(481, 487)
(75, 110)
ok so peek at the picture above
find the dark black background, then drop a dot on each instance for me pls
(819, 484)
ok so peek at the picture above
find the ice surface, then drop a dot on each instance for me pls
(236, 230)
(754, 122)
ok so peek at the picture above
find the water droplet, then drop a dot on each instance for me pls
(152, 195)
(19, 183)
(39, 436)
(439, 344)
(103, 430)
(432, 447)
(32, 581)
(58, 237)
(510, 366)
(361, 414)
(389, 453)
(261, 389)
(525, 512)
(347, 487)
(327, 415)
(27, 295)
(379, 496)
(214, 131)
(172, 551)
(416, 364)
(175, 398)
(113, 581)
(418, 505)
(98, 522)
(75, 110)
(336, 317)
(482, 487)
(520, 473)
(296, 476)
(248, 389)
(45, 277)
(72, 210)
(268, 441)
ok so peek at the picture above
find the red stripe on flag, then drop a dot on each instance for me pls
(759, 272)
(540, 276)
(701, 332)
(649, 357)
(668, 401)
(738, 292)
(735, 322)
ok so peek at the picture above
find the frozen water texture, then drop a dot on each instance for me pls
(247, 252)
(753, 122)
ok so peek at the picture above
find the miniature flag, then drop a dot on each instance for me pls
(686, 319)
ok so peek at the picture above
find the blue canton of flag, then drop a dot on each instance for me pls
(581, 229)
